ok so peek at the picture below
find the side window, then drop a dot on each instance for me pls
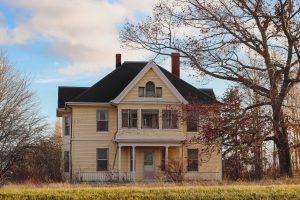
(129, 118)
(66, 161)
(158, 92)
(192, 155)
(141, 91)
(102, 159)
(192, 122)
(102, 120)
(169, 119)
(67, 125)
(150, 89)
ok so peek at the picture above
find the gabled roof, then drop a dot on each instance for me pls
(114, 83)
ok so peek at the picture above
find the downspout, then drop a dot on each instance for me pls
(115, 140)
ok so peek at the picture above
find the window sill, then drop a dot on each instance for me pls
(102, 132)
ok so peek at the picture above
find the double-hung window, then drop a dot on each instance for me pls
(170, 119)
(192, 155)
(102, 159)
(150, 119)
(67, 125)
(66, 161)
(192, 121)
(102, 120)
(129, 118)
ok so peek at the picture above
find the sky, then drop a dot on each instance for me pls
(72, 43)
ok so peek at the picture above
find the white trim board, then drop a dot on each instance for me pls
(137, 78)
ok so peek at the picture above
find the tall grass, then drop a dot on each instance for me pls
(272, 192)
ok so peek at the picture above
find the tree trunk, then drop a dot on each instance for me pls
(258, 168)
(284, 155)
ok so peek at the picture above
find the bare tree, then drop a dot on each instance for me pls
(222, 38)
(20, 123)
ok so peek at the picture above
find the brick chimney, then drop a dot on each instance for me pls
(175, 64)
(118, 60)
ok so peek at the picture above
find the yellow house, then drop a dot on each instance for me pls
(121, 128)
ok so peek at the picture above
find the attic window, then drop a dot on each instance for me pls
(150, 89)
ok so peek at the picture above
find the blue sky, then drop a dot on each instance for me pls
(71, 43)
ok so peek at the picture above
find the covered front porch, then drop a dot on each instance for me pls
(138, 162)
(147, 160)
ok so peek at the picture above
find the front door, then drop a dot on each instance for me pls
(148, 165)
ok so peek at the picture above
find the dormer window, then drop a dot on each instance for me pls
(150, 90)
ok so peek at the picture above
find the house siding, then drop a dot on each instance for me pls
(86, 139)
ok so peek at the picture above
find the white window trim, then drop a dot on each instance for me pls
(102, 159)
(102, 120)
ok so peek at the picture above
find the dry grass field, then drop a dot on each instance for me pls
(273, 190)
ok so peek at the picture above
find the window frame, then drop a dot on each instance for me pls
(98, 111)
(156, 92)
(147, 87)
(101, 159)
(129, 118)
(191, 119)
(139, 92)
(169, 117)
(190, 160)
(66, 119)
(66, 161)
(142, 118)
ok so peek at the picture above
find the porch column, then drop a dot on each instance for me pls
(180, 156)
(133, 162)
(166, 157)
(119, 162)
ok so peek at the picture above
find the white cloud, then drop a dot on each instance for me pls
(82, 32)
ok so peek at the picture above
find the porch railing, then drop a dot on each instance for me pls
(105, 176)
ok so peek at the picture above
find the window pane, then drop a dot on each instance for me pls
(141, 91)
(102, 153)
(66, 161)
(150, 119)
(170, 119)
(102, 165)
(159, 92)
(133, 119)
(192, 122)
(125, 118)
(193, 165)
(103, 115)
(102, 126)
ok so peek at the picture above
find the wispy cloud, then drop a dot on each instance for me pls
(84, 33)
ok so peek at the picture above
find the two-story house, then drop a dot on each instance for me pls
(121, 128)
